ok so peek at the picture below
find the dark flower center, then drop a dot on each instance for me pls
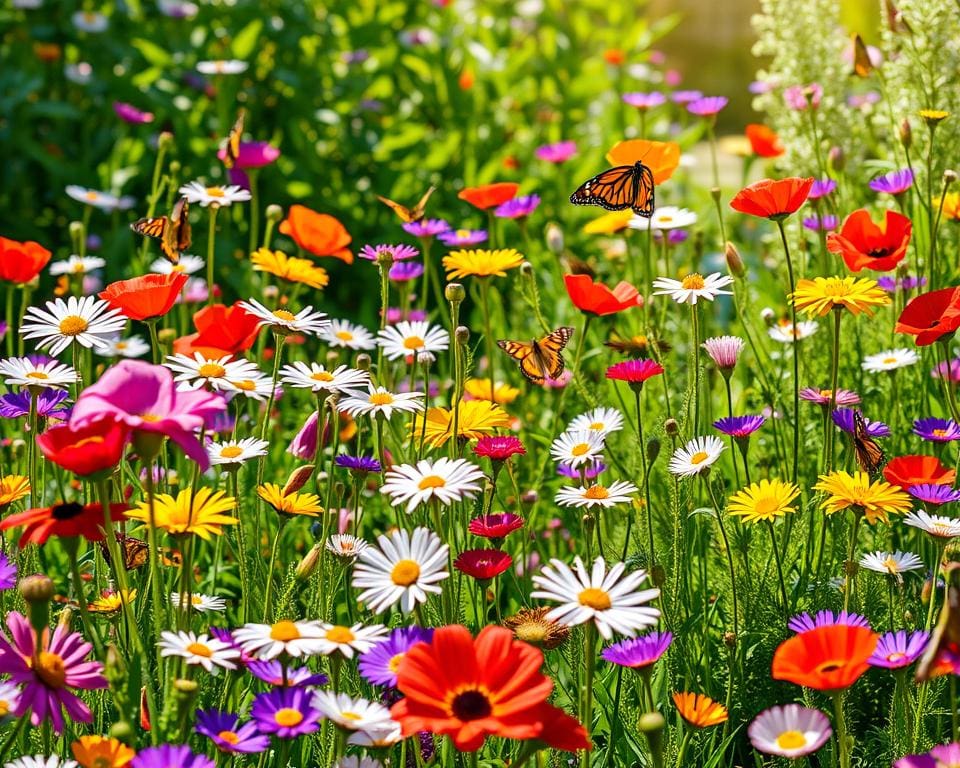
(66, 511)
(471, 705)
(879, 253)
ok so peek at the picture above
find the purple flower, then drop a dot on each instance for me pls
(644, 101)
(844, 418)
(590, 470)
(685, 97)
(404, 271)
(170, 756)
(861, 100)
(821, 188)
(225, 731)
(825, 223)
(272, 673)
(396, 314)
(638, 652)
(739, 426)
(361, 465)
(50, 403)
(822, 396)
(130, 114)
(397, 252)
(724, 351)
(304, 443)
(804, 622)
(461, 237)
(908, 283)
(707, 106)
(937, 430)
(948, 369)
(355, 57)
(285, 712)
(899, 649)
(803, 97)
(930, 493)
(518, 207)
(893, 183)
(674, 236)
(944, 756)
(426, 227)
(253, 154)
(378, 666)
(8, 573)
(559, 152)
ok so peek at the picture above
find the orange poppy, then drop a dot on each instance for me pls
(916, 469)
(772, 199)
(597, 299)
(317, 233)
(863, 243)
(489, 195)
(661, 157)
(21, 262)
(615, 56)
(764, 141)
(700, 711)
(828, 658)
(221, 331)
(144, 297)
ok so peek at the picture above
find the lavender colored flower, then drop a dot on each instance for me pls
(862, 100)
(8, 573)
(130, 114)
(905, 284)
(943, 756)
(685, 97)
(638, 652)
(804, 622)
(170, 756)
(844, 418)
(824, 223)
(379, 665)
(590, 470)
(948, 369)
(355, 57)
(225, 731)
(426, 227)
(739, 426)
(396, 314)
(803, 97)
(707, 106)
(462, 237)
(396, 252)
(404, 271)
(821, 188)
(893, 183)
(50, 404)
(559, 152)
(935, 495)
(361, 465)
(286, 712)
(644, 101)
(822, 396)
(937, 430)
(518, 207)
(674, 236)
(272, 673)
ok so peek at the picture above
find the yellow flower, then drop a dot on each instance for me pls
(609, 223)
(13, 488)
(101, 752)
(293, 503)
(700, 711)
(111, 602)
(481, 263)
(856, 492)
(475, 418)
(934, 116)
(820, 295)
(479, 389)
(202, 514)
(289, 268)
(738, 146)
(951, 206)
(766, 501)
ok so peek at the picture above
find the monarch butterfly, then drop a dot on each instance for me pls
(173, 231)
(542, 358)
(409, 215)
(862, 66)
(136, 553)
(626, 186)
(869, 455)
(233, 141)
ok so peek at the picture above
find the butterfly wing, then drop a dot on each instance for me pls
(643, 191)
(421, 207)
(176, 237)
(612, 189)
(233, 141)
(549, 349)
(862, 67)
(150, 227)
(405, 214)
(523, 353)
(869, 455)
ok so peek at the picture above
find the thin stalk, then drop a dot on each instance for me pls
(796, 354)
(211, 241)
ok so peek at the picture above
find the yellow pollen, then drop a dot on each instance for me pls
(178, 268)
(381, 398)
(150, 418)
(405, 573)
(73, 325)
(596, 492)
(248, 385)
(431, 481)
(78, 268)
(288, 717)
(215, 191)
(284, 631)
(283, 314)
(891, 565)
(597, 426)
(211, 370)
(394, 664)
(594, 598)
(322, 376)
(231, 451)
(228, 736)
(344, 335)
(766, 506)
(351, 716)
(791, 740)
(40, 375)
(580, 449)
(340, 634)
(699, 457)
(412, 342)
(896, 656)
(940, 432)
(50, 669)
(692, 282)
(199, 649)
(4, 708)
(91, 195)
(826, 392)
(889, 360)
(666, 219)
(121, 345)
(196, 599)
(463, 233)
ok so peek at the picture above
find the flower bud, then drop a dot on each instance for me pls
(589, 522)
(17, 447)
(768, 316)
(658, 575)
(37, 591)
(715, 193)
(526, 269)
(671, 427)
(274, 213)
(76, 230)
(651, 725)
(270, 292)
(949, 177)
(906, 134)
(836, 159)
(653, 449)
(529, 498)
(165, 141)
(123, 732)
(166, 335)
(734, 260)
(730, 639)
(462, 335)
(455, 292)
(308, 565)
(554, 238)
(174, 167)
(298, 478)
(363, 361)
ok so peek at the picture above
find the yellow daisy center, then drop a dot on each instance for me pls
(344, 335)
(394, 664)
(231, 451)
(73, 325)
(288, 717)
(596, 492)
(215, 191)
(322, 376)
(340, 634)
(79, 268)
(597, 426)
(666, 219)
(51, 669)
(247, 385)
(692, 282)
(121, 345)
(285, 315)
(412, 342)
(405, 573)
(211, 371)
(889, 360)
(199, 649)
(791, 740)
(353, 716)
(196, 599)
(284, 631)
(431, 481)
(699, 457)
(150, 418)
(891, 565)
(381, 398)
(580, 449)
(765, 506)
(91, 195)
(594, 598)
(40, 375)
(228, 736)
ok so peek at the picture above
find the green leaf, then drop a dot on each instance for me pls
(246, 39)
(153, 53)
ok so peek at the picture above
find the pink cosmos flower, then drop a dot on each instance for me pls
(557, 153)
(803, 97)
(253, 154)
(130, 114)
(59, 666)
(145, 398)
(724, 351)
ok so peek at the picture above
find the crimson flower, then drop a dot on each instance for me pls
(142, 298)
(495, 527)
(96, 447)
(865, 244)
(482, 564)
(930, 316)
(499, 448)
(63, 520)
(771, 199)
(634, 372)
(597, 299)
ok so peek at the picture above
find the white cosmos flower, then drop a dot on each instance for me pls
(284, 321)
(347, 335)
(352, 714)
(89, 321)
(612, 600)
(890, 360)
(790, 731)
(77, 265)
(256, 387)
(602, 420)
(199, 371)
(267, 641)
(695, 456)
(665, 218)
(353, 761)
(345, 546)
(221, 67)
(693, 287)
(102, 200)
(41, 761)
(403, 570)
(379, 738)
(596, 495)
(318, 379)
(22, 372)
(199, 650)
(132, 346)
(577, 448)
(407, 339)
(350, 640)
(220, 196)
(785, 333)
(188, 264)
(89, 21)
(234, 453)
(444, 480)
(381, 402)
(938, 526)
(892, 563)
(200, 602)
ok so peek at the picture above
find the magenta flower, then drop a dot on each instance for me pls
(804, 622)
(894, 183)
(638, 652)
(821, 188)
(253, 154)
(559, 152)
(685, 97)
(708, 106)
(803, 97)
(47, 675)
(130, 114)
(822, 396)
(145, 398)
(304, 443)
(426, 227)
(724, 351)
(644, 101)
(943, 756)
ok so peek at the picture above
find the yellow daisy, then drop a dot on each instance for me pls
(475, 418)
(822, 294)
(951, 206)
(13, 488)
(481, 263)
(855, 492)
(101, 752)
(766, 501)
(289, 268)
(479, 389)
(291, 504)
(934, 116)
(111, 602)
(203, 513)
(609, 223)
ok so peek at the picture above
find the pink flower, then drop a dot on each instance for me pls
(724, 351)
(556, 153)
(253, 154)
(304, 443)
(59, 666)
(145, 398)
(803, 97)
(130, 114)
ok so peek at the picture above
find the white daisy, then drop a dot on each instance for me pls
(188, 264)
(21, 372)
(379, 401)
(403, 570)
(785, 333)
(267, 641)
(693, 287)
(602, 420)
(89, 21)
(256, 387)
(318, 379)
(89, 321)
(695, 456)
(613, 601)
(352, 714)
(76, 265)
(938, 526)
(379, 738)
(346, 335)
(665, 218)
(359, 762)
(350, 640)
(199, 650)
(236, 452)
(132, 346)
(102, 200)
(406, 339)
(80, 73)
(221, 67)
(575, 448)
(26, 5)
(199, 371)
(790, 731)
(890, 360)
(9, 698)
(220, 196)
(345, 546)
(284, 321)
(596, 495)
(445, 480)
(41, 761)
(892, 563)
(201, 603)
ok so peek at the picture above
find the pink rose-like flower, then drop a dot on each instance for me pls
(145, 398)
(130, 114)
(803, 97)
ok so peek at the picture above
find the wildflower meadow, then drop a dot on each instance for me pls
(453, 383)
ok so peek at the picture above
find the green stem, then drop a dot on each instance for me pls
(834, 376)
(211, 242)
(796, 353)
(841, 723)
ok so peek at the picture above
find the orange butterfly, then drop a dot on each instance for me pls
(233, 141)
(626, 186)
(862, 66)
(542, 358)
(869, 455)
(409, 215)
(172, 231)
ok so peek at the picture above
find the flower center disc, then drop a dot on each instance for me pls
(228, 736)
(199, 649)
(211, 370)
(471, 705)
(284, 631)
(288, 717)
(431, 481)
(381, 398)
(693, 282)
(73, 325)
(340, 634)
(231, 452)
(285, 315)
(791, 740)
(580, 448)
(50, 668)
(596, 492)
(594, 598)
(412, 342)
(405, 573)
(698, 458)
(322, 376)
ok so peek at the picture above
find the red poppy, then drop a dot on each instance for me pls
(764, 141)
(864, 243)
(560, 730)
(828, 658)
(482, 564)
(931, 315)
(489, 195)
(64, 519)
(772, 199)
(615, 56)
(144, 297)
(21, 262)
(597, 299)
(470, 688)
(221, 330)
(907, 471)
(317, 233)
(85, 450)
